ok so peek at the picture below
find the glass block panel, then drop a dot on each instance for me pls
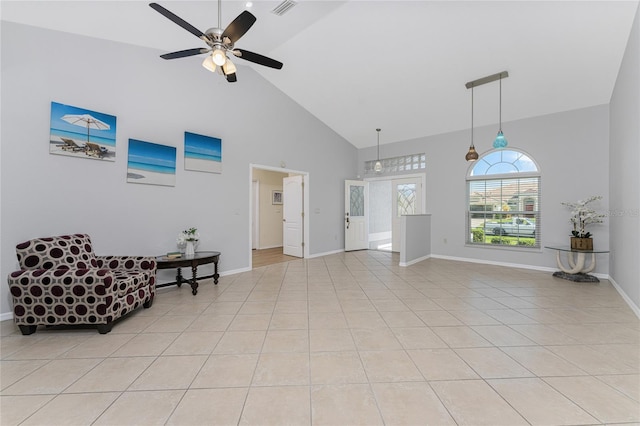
(398, 164)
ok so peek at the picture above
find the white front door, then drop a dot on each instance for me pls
(356, 217)
(406, 199)
(292, 216)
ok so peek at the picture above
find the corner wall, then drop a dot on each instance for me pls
(624, 151)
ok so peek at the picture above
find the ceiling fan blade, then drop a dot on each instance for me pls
(257, 58)
(231, 78)
(178, 20)
(239, 26)
(184, 53)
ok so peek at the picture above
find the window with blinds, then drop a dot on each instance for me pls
(503, 201)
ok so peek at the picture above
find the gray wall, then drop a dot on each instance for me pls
(156, 101)
(572, 152)
(624, 151)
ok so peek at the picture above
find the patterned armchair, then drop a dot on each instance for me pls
(62, 282)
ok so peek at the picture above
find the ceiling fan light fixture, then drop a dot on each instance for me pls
(209, 64)
(219, 42)
(229, 67)
(219, 58)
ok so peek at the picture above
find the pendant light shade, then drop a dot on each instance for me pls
(472, 155)
(500, 141)
(378, 166)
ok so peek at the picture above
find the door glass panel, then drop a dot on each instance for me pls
(356, 201)
(406, 198)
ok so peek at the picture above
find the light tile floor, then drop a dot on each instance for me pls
(345, 339)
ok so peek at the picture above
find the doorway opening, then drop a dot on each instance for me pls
(278, 223)
(390, 198)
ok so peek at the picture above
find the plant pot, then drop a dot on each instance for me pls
(581, 243)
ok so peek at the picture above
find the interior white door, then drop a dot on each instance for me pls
(406, 199)
(356, 217)
(293, 216)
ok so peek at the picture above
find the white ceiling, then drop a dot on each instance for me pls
(398, 65)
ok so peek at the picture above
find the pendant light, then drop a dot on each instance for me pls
(472, 155)
(500, 142)
(378, 166)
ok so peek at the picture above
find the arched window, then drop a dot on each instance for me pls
(503, 200)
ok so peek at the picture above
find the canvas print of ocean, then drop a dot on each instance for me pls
(79, 132)
(151, 163)
(202, 153)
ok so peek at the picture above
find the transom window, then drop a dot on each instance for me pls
(503, 200)
(403, 163)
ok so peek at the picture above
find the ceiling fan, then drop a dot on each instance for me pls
(220, 43)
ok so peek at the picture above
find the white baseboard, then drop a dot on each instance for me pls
(491, 262)
(269, 247)
(327, 253)
(633, 306)
(6, 316)
(411, 262)
(234, 271)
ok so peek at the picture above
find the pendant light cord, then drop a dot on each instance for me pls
(472, 116)
(501, 102)
(378, 130)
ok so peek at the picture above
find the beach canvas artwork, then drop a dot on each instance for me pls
(79, 132)
(202, 153)
(151, 163)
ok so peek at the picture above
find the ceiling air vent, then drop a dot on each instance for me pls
(283, 7)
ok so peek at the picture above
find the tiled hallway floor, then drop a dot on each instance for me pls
(345, 339)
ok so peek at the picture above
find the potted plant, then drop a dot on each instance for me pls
(581, 216)
(189, 238)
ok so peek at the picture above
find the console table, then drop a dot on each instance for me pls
(199, 258)
(578, 269)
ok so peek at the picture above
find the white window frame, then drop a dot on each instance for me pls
(516, 177)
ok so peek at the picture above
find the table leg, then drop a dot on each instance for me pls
(577, 264)
(215, 272)
(194, 279)
(179, 278)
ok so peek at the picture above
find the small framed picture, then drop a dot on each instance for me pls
(276, 197)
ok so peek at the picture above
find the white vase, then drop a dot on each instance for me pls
(191, 248)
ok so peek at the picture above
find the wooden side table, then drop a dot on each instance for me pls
(199, 258)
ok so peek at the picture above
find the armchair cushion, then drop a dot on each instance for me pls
(67, 251)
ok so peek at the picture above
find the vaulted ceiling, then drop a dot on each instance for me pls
(397, 65)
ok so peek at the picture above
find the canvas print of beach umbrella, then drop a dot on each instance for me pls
(82, 133)
(86, 120)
